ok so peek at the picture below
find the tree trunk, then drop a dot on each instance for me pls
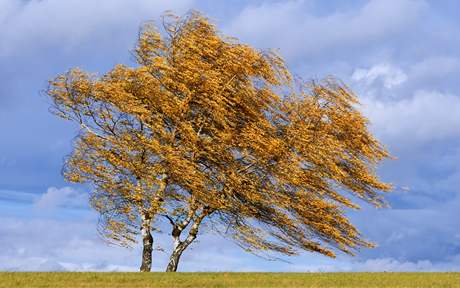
(174, 259)
(180, 246)
(147, 242)
(177, 251)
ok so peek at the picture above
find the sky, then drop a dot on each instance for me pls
(401, 57)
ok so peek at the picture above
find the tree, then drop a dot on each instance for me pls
(110, 153)
(209, 129)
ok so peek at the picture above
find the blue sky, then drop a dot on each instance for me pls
(402, 57)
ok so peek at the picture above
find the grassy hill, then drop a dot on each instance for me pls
(167, 280)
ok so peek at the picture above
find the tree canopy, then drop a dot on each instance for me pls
(205, 128)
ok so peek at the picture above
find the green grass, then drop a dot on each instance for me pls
(160, 280)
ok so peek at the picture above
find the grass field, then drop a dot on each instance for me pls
(160, 280)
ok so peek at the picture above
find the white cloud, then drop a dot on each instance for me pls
(290, 26)
(66, 24)
(43, 264)
(379, 265)
(62, 197)
(84, 267)
(37, 264)
(426, 116)
(41, 244)
(394, 265)
(391, 76)
(382, 264)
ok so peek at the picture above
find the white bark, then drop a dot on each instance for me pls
(147, 242)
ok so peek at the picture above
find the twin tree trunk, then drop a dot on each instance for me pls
(179, 245)
(147, 243)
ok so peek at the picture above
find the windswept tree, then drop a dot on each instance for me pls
(111, 154)
(206, 129)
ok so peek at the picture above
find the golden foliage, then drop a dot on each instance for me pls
(205, 123)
